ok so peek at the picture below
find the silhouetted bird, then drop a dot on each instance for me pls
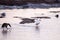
(5, 25)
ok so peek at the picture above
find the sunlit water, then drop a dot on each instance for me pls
(49, 29)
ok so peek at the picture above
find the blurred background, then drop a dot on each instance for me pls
(19, 14)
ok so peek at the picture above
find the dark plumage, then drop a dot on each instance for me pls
(5, 25)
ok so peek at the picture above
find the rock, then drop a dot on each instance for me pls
(57, 16)
(27, 21)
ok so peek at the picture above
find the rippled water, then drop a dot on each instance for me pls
(49, 29)
(31, 5)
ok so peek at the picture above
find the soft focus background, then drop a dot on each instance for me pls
(48, 28)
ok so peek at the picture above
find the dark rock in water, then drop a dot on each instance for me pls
(27, 21)
(57, 16)
(54, 11)
(42, 17)
(3, 15)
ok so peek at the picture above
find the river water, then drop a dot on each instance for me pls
(48, 28)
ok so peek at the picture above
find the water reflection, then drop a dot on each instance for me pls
(37, 28)
(4, 32)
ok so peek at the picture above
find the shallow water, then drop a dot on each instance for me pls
(49, 29)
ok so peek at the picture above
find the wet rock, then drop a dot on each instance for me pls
(57, 16)
(26, 20)
(3, 15)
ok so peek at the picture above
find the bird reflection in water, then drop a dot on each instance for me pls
(4, 32)
(37, 28)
